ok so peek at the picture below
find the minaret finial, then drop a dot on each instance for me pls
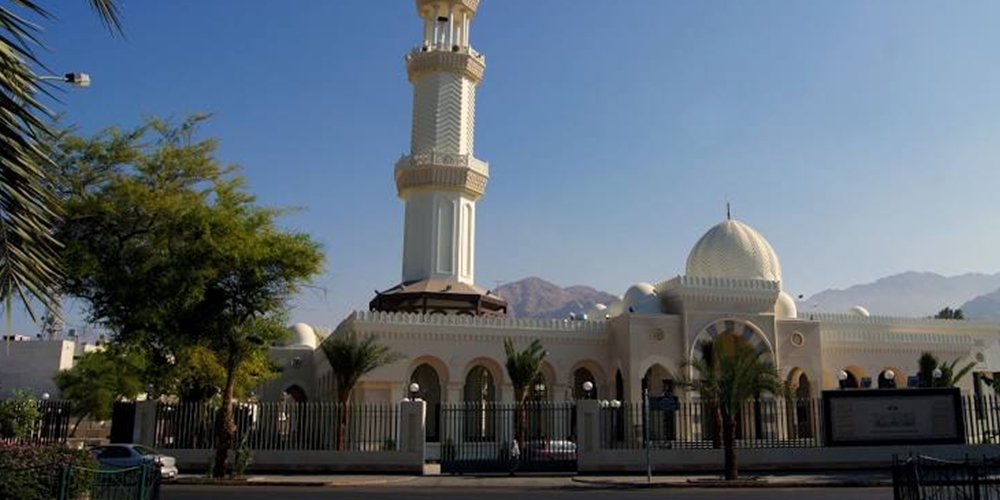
(729, 213)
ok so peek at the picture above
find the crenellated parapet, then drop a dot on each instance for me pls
(417, 327)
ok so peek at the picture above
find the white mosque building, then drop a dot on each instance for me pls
(451, 331)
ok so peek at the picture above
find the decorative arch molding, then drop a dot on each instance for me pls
(439, 366)
(494, 367)
(662, 361)
(741, 328)
(550, 374)
(600, 378)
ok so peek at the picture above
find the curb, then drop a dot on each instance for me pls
(738, 484)
(251, 481)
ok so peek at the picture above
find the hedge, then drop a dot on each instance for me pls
(31, 472)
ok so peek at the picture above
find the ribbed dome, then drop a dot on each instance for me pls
(302, 336)
(733, 249)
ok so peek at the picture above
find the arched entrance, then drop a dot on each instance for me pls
(802, 408)
(662, 424)
(430, 391)
(479, 394)
(580, 377)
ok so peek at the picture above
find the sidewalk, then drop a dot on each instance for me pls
(525, 481)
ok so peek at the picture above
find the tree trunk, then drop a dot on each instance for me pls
(72, 433)
(522, 417)
(225, 427)
(729, 445)
(342, 418)
(716, 426)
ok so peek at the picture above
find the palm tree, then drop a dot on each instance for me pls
(29, 210)
(730, 373)
(949, 376)
(352, 357)
(524, 368)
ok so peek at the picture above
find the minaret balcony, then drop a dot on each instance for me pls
(437, 57)
(442, 171)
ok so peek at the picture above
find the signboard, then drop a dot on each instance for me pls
(664, 403)
(855, 417)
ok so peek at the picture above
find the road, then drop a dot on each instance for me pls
(181, 492)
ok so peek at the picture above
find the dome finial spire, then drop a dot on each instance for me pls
(729, 213)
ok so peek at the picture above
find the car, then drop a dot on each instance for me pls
(121, 456)
(556, 449)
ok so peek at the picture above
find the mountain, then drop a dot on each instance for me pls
(912, 294)
(986, 306)
(539, 299)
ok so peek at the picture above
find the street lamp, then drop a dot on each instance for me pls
(842, 378)
(890, 379)
(587, 387)
(615, 403)
(937, 374)
(540, 391)
(414, 389)
(45, 396)
(77, 79)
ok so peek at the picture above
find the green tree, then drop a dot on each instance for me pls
(351, 357)
(950, 374)
(99, 379)
(170, 253)
(729, 374)
(524, 369)
(29, 259)
(949, 313)
(19, 415)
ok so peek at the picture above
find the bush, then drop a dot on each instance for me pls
(18, 416)
(30, 472)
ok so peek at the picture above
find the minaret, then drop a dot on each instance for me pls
(441, 179)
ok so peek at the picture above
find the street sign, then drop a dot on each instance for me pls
(664, 403)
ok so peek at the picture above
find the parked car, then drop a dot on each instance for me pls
(556, 449)
(133, 455)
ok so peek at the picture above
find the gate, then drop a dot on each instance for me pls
(122, 422)
(504, 437)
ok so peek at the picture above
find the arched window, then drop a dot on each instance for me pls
(580, 377)
(430, 391)
(479, 395)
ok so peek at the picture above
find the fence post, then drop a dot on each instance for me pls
(144, 432)
(413, 420)
(588, 422)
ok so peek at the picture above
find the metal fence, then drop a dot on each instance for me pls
(492, 437)
(925, 478)
(982, 418)
(765, 423)
(282, 426)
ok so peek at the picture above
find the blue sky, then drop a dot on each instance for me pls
(859, 137)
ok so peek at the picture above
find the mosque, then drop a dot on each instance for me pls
(451, 330)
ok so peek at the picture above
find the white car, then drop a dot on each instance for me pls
(133, 455)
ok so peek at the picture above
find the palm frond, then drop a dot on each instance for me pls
(110, 14)
(352, 357)
(524, 367)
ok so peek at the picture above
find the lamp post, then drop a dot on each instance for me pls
(842, 378)
(539, 391)
(890, 379)
(587, 387)
(414, 389)
(937, 374)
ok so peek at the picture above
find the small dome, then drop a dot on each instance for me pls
(641, 298)
(302, 336)
(734, 250)
(615, 308)
(597, 313)
(859, 311)
(785, 307)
